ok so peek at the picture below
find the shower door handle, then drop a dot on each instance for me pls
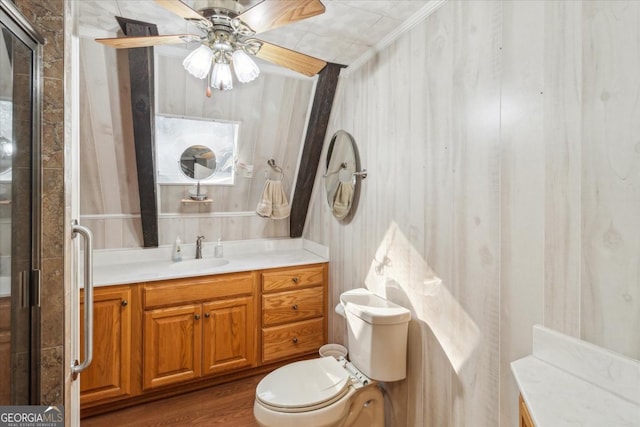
(88, 299)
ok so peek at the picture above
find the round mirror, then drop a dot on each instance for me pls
(341, 177)
(198, 162)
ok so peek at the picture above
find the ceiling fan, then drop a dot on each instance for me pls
(229, 38)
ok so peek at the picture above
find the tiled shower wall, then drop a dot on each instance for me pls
(48, 19)
(503, 190)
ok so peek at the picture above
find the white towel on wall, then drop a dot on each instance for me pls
(273, 203)
(342, 199)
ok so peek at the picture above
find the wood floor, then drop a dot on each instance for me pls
(224, 405)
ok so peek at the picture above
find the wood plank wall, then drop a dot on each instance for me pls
(501, 144)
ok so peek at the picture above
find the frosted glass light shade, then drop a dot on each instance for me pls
(221, 76)
(246, 70)
(198, 62)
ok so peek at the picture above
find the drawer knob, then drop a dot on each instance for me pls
(207, 315)
(295, 340)
(295, 306)
(124, 303)
(295, 280)
(197, 317)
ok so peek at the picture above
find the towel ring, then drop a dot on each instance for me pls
(275, 168)
(343, 165)
(362, 174)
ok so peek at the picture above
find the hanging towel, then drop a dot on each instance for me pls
(281, 208)
(273, 203)
(342, 199)
(265, 204)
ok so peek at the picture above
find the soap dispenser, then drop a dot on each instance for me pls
(217, 250)
(177, 250)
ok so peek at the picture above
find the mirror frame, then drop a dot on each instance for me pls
(175, 134)
(336, 166)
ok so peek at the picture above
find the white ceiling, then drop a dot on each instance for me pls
(346, 31)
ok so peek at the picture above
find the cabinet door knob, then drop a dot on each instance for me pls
(197, 317)
(207, 315)
(124, 303)
(295, 306)
(295, 340)
(295, 280)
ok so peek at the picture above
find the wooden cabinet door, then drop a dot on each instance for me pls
(108, 375)
(525, 417)
(172, 345)
(229, 335)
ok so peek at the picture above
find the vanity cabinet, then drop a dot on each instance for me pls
(525, 417)
(293, 311)
(161, 338)
(198, 326)
(108, 375)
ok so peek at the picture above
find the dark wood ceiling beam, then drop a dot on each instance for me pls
(141, 75)
(314, 140)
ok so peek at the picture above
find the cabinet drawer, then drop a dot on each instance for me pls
(181, 291)
(292, 339)
(292, 306)
(284, 280)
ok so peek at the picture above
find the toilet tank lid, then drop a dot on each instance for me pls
(372, 308)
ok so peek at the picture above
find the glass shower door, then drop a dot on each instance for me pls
(19, 210)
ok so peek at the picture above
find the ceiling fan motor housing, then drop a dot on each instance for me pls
(226, 33)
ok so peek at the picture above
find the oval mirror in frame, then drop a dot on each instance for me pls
(341, 178)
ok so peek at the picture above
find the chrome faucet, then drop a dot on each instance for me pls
(199, 247)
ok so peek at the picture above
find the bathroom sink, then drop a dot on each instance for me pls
(198, 264)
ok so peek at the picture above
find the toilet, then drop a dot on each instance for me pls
(327, 392)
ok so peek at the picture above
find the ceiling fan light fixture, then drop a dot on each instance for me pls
(198, 62)
(221, 76)
(245, 68)
(229, 26)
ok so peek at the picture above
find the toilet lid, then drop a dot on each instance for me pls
(304, 384)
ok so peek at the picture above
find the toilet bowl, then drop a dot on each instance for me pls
(323, 396)
(329, 392)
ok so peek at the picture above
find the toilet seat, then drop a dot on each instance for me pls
(304, 386)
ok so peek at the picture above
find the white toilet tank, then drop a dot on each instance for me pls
(377, 334)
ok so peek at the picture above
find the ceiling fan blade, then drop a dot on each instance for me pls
(146, 41)
(180, 9)
(296, 61)
(272, 14)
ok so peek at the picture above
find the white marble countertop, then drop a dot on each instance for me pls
(121, 266)
(569, 382)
